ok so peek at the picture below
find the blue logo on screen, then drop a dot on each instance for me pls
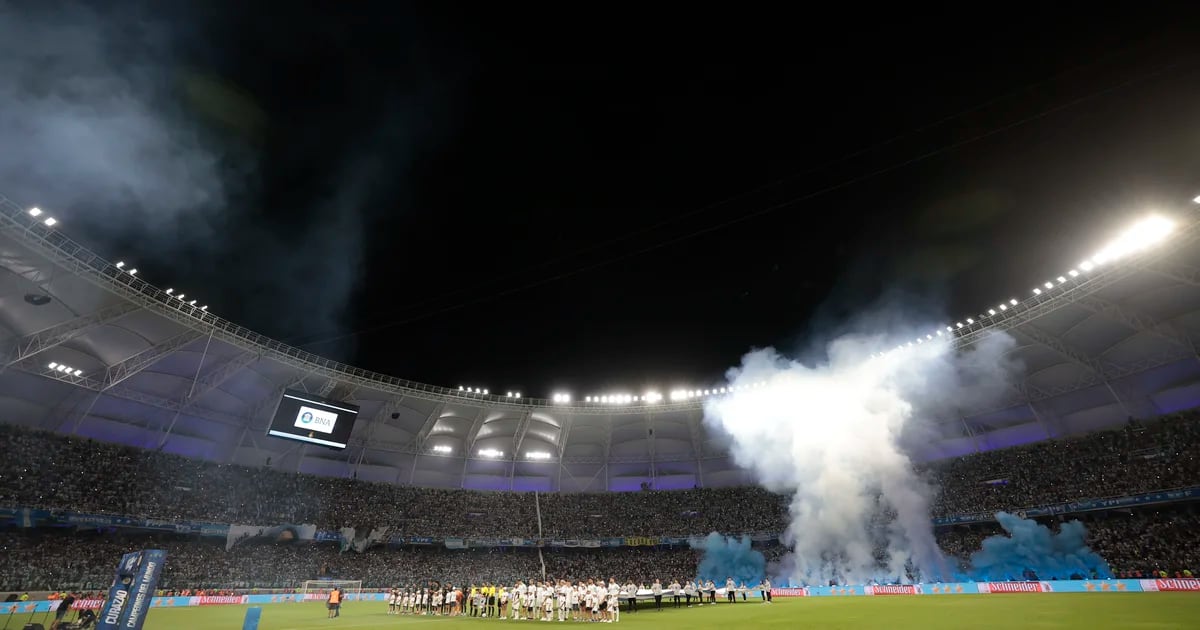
(306, 417)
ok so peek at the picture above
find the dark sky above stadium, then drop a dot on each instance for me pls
(605, 198)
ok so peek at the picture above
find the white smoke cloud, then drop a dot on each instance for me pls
(830, 436)
(89, 122)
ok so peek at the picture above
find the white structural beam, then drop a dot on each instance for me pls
(519, 435)
(119, 372)
(1078, 357)
(469, 443)
(25, 347)
(217, 376)
(1164, 267)
(418, 442)
(1133, 320)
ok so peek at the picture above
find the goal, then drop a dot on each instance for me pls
(319, 589)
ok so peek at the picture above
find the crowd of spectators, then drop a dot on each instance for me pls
(45, 559)
(1135, 544)
(45, 470)
(55, 472)
(1136, 458)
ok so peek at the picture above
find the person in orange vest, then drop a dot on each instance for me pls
(335, 603)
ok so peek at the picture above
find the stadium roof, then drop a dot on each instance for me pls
(136, 365)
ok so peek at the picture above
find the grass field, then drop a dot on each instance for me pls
(1060, 610)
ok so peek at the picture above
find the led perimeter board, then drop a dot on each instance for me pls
(307, 418)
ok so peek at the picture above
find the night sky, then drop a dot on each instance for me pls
(599, 199)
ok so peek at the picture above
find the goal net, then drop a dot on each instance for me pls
(319, 589)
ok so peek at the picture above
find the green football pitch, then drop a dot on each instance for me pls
(1060, 610)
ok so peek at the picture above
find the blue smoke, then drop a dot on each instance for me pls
(1030, 546)
(726, 556)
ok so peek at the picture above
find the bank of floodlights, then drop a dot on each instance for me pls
(1143, 235)
(490, 452)
(65, 369)
(442, 448)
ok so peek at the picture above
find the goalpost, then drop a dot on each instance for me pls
(319, 589)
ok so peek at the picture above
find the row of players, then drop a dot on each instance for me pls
(592, 600)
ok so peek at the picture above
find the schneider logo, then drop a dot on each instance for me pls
(315, 420)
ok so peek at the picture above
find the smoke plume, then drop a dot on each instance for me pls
(1030, 546)
(725, 557)
(829, 434)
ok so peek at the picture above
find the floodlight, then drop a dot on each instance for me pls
(1061, 279)
(35, 212)
(959, 324)
(508, 394)
(939, 333)
(120, 264)
(538, 455)
(1013, 302)
(133, 272)
(52, 365)
(1073, 273)
(970, 321)
(1037, 291)
(192, 303)
(1086, 265)
(485, 392)
(1049, 285)
(491, 452)
(50, 221)
(78, 372)
(604, 399)
(706, 392)
(518, 395)
(442, 448)
(170, 291)
(949, 329)
(991, 311)
(1196, 199)
(1003, 307)
(460, 388)
(1141, 235)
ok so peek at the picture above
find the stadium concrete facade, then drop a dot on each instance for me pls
(136, 365)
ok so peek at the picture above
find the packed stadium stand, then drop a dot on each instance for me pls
(126, 409)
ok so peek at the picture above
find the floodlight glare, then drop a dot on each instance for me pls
(939, 333)
(1141, 235)
(50, 221)
(1196, 199)
(442, 448)
(1049, 285)
(120, 264)
(52, 365)
(991, 311)
(491, 452)
(1086, 265)
(1073, 273)
(508, 394)
(970, 321)
(1012, 301)
(133, 272)
(959, 324)
(1037, 291)
(1061, 279)
(538, 455)
(78, 372)
(1003, 307)
(485, 392)
(192, 303)
(518, 395)
(170, 291)
(35, 212)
